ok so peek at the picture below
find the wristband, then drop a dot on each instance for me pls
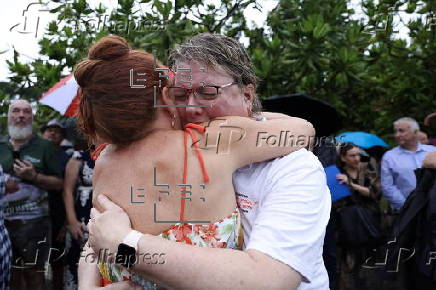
(132, 239)
(126, 254)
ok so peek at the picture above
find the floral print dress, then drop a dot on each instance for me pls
(221, 234)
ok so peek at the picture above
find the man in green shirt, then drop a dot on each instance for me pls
(30, 161)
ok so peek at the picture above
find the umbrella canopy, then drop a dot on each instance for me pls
(362, 139)
(63, 96)
(322, 115)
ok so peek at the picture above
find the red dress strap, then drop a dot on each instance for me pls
(96, 153)
(195, 140)
(197, 127)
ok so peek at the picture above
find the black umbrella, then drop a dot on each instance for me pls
(322, 115)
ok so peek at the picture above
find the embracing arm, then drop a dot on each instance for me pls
(273, 116)
(215, 268)
(286, 238)
(244, 141)
(207, 268)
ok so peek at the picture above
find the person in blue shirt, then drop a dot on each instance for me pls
(398, 164)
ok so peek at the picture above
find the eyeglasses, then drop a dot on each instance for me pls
(205, 95)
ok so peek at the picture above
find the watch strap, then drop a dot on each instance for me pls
(132, 239)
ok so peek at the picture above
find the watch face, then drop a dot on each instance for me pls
(126, 256)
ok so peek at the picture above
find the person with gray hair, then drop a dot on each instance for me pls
(31, 162)
(284, 203)
(398, 164)
(221, 53)
(414, 126)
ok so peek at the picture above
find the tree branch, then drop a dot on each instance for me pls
(229, 14)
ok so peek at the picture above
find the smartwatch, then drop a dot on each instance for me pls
(126, 254)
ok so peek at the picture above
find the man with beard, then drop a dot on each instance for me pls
(31, 161)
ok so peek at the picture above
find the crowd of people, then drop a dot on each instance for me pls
(40, 184)
(362, 222)
(209, 209)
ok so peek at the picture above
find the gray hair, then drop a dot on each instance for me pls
(218, 52)
(13, 102)
(412, 122)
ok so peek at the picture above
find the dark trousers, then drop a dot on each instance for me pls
(329, 251)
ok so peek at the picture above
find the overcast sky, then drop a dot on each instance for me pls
(27, 44)
(12, 22)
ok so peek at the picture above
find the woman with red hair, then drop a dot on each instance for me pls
(174, 183)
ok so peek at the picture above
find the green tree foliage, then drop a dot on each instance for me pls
(152, 25)
(358, 64)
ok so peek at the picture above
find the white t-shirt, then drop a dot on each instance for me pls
(285, 206)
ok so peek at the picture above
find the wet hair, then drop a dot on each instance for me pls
(110, 108)
(220, 53)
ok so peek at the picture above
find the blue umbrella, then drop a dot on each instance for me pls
(361, 139)
(337, 190)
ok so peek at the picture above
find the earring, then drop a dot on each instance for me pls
(173, 120)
